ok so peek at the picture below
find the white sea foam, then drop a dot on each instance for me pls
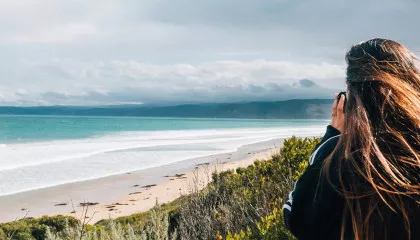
(28, 166)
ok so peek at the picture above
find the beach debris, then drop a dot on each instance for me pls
(146, 198)
(73, 212)
(134, 193)
(132, 200)
(149, 186)
(60, 204)
(120, 204)
(178, 175)
(203, 164)
(85, 204)
(171, 179)
(23, 209)
(136, 185)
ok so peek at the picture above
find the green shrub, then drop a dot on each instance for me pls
(2, 234)
(156, 227)
(269, 227)
(58, 223)
(113, 231)
(243, 204)
(30, 228)
(139, 221)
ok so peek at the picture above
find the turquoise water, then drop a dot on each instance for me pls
(41, 128)
(43, 151)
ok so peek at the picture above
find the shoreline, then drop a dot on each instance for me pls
(132, 192)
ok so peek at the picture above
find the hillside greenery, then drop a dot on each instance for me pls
(241, 204)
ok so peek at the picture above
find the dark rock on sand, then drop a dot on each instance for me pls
(203, 164)
(85, 204)
(60, 204)
(120, 204)
(134, 193)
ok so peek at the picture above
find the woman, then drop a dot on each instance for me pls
(363, 181)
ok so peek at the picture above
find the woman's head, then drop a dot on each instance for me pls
(380, 145)
(383, 78)
(370, 59)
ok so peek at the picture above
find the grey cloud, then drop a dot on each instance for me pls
(54, 72)
(92, 51)
(256, 89)
(185, 30)
(162, 96)
(307, 83)
(326, 23)
(54, 97)
(75, 83)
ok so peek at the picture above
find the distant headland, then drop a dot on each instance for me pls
(289, 109)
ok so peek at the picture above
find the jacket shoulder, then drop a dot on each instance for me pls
(324, 150)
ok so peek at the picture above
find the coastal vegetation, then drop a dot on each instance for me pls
(241, 204)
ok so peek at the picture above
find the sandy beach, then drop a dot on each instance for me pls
(132, 192)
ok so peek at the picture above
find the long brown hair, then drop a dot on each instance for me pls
(377, 159)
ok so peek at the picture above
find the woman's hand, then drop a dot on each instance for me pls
(337, 120)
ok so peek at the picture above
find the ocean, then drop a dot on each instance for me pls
(43, 151)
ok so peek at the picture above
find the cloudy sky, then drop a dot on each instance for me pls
(97, 52)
